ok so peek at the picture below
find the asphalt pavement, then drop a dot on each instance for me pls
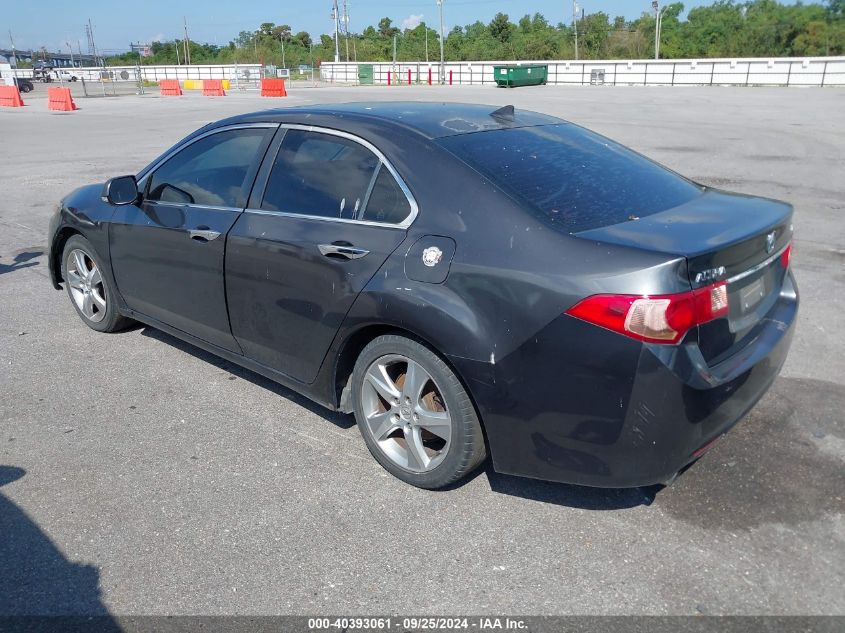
(139, 475)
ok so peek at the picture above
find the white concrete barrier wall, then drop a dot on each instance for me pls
(811, 71)
(797, 71)
(235, 73)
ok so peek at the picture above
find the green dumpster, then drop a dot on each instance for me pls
(365, 74)
(528, 75)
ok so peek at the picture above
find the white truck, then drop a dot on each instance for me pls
(66, 75)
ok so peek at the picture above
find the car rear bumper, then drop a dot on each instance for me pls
(582, 405)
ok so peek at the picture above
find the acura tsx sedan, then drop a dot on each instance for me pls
(464, 279)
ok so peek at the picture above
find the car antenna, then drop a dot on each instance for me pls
(505, 112)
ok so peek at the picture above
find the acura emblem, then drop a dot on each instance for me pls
(770, 242)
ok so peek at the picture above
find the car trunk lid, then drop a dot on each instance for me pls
(724, 237)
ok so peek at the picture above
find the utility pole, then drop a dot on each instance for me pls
(658, 25)
(659, 29)
(346, 28)
(187, 41)
(14, 54)
(336, 18)
(575, 25)
(442, 66)
(69, 47)
(92, 45)
(656, 6)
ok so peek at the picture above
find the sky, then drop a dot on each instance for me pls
(54, 23)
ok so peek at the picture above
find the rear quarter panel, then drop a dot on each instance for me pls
(510, 277)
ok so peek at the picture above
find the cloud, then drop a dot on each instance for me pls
(157, 38)
(412, 21)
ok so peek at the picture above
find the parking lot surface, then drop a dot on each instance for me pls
(141, 476)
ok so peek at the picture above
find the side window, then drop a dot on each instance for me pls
(319, 174)
(210, 171)
(387, 201)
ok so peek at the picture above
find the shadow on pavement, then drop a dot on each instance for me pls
(582, 497)
(21, 260)
(783, 464)
(778, 465)
(37, 580)
(341, 420)
(546, 492)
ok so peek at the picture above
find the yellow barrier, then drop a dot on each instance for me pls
(196, 84)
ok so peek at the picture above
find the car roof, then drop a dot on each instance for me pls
(429, 119)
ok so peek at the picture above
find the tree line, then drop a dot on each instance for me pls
(756, 28)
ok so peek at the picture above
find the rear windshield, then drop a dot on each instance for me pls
(576, 178)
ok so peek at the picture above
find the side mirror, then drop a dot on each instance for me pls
(120, 190)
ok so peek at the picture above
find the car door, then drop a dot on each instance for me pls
(327, 211)
(167, 251)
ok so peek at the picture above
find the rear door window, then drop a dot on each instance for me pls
(387, 201)
(577, 179)
(320, 175)
(325, 175)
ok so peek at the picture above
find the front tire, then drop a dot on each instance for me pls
(90, 290)
(414, 414)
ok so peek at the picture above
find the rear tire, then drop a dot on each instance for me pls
(414, 414)
(90, 290)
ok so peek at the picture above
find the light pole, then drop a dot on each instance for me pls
(14, 59)
(658, 22)
(336, 18)
(575, 25)
(442, 67)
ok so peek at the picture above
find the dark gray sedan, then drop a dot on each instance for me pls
(465, 279)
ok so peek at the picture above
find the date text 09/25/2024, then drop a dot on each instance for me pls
(416, 624)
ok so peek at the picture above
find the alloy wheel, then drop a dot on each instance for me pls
(86, 285)
(406, 413)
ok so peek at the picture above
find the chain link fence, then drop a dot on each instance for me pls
(114, 82)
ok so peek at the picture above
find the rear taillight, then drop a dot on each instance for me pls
(654, 318)
(785, 256)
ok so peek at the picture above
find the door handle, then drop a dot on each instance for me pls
(203, 235)
(338, 250)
